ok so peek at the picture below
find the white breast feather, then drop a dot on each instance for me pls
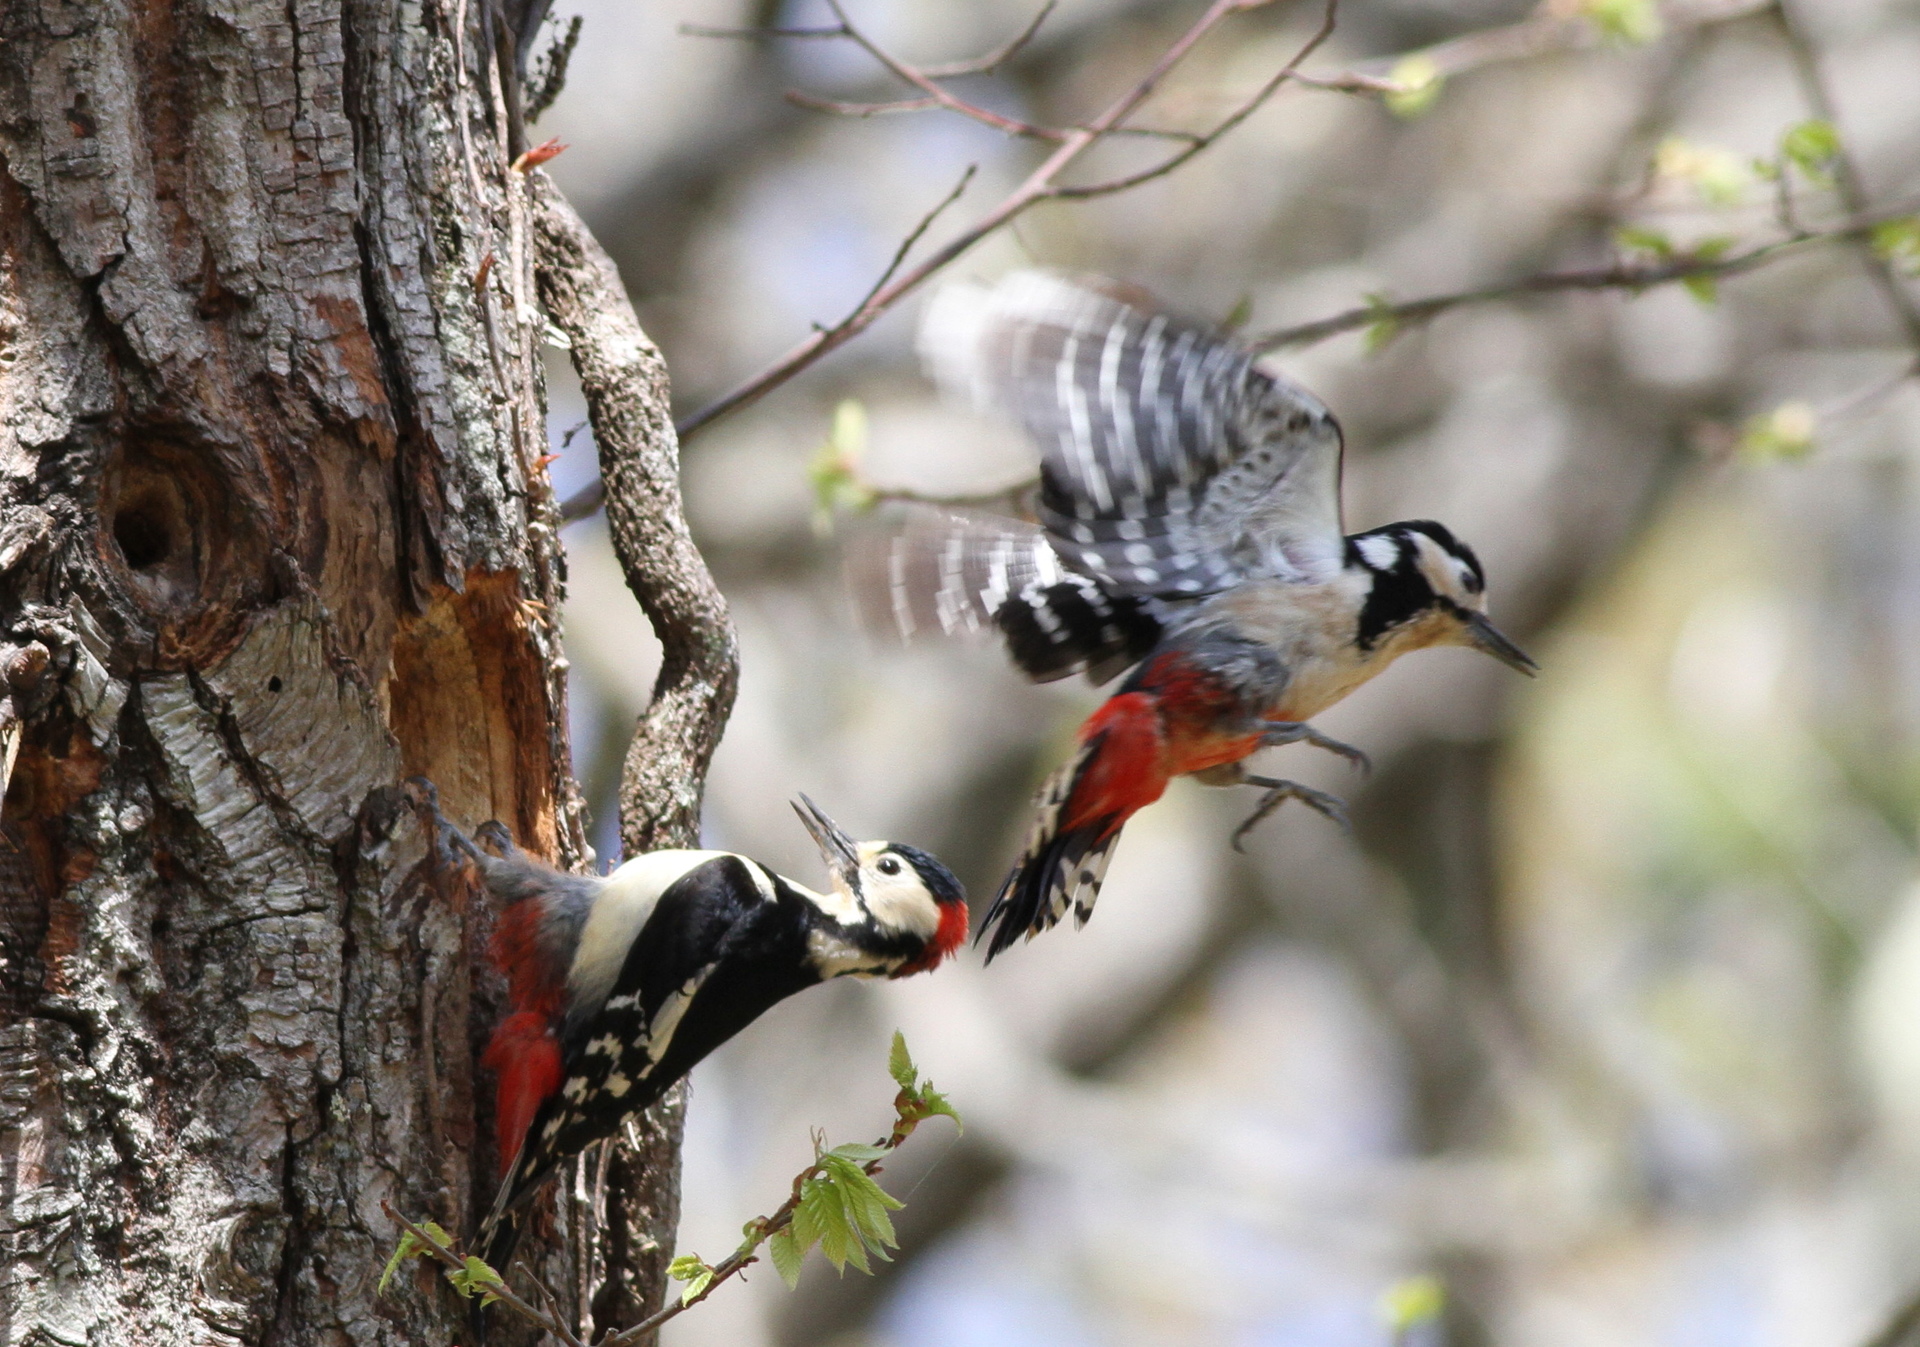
(630, 895)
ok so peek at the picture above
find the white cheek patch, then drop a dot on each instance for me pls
(1443, 570)
(901, 903)
(1379, 552)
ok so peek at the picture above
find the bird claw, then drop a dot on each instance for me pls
(448, 840)
(1278, 793)
(1275, 733)
(493, 835)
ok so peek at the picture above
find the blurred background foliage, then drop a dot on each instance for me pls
(1603, 1026)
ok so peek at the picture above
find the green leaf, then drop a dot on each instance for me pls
(1237, 315)
(1899, 242)
(808, 1225)
(699, 1282)
(1786, 432)
(933, 1102)
(868, 1207)
(856, 1153)
(788, 1254)
(1412, 1302)
(686, 1267)
(1420, 83)
(1635, 239)
(1705, 289)
(1384, 327)
(839, 1240)
(900, 1063)
(412, 1246)
(476, 1278)
(1634, 22)
(1812, 147)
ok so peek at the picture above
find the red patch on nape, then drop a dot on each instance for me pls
(525, 1057)
(948, 936)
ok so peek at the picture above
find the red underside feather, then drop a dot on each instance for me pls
(525, 1058)
(1146, 738)
(524, 1053)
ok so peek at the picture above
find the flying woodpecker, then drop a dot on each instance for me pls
(1189, 529)
(619, 985)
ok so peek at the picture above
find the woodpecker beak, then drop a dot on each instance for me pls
(836, 848)
(1483, 635)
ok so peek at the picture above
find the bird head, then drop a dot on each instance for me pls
(1428, 588)
(903, 890)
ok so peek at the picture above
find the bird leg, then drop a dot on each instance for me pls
(451, 847)
(1278, 793)
(1274, 733)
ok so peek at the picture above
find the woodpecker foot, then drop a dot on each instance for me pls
(1275, 733)
(1278, 793)
(450, 845)
(493, 835)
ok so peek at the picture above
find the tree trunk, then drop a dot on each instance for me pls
(276, 535)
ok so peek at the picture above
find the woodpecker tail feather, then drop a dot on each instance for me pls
(1063, 871)
(1121, 768)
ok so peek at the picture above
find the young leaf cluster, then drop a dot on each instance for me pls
(470, 1276)
(836, 1204)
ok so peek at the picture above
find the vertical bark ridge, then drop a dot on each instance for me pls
(625, 383)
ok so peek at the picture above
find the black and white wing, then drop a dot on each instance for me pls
(958, 573)
(1170, 464)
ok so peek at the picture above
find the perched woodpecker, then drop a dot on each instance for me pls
(1189, 529)
(620, 985)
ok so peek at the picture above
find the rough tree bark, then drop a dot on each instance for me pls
(276, 535)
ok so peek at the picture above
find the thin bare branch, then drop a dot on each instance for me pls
(1040, 185)
(802, 99)
(760, 34)
(1534, 36)
(1631, 276)
(920, 80)
(919, 231)
(986, 65)
(1233, 119)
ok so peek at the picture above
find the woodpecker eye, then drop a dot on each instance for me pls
(889, 866)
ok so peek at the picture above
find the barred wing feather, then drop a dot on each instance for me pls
(958, 573)
(1171, 465)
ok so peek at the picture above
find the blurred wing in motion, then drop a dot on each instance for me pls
(957, 573)
(1171, 465)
